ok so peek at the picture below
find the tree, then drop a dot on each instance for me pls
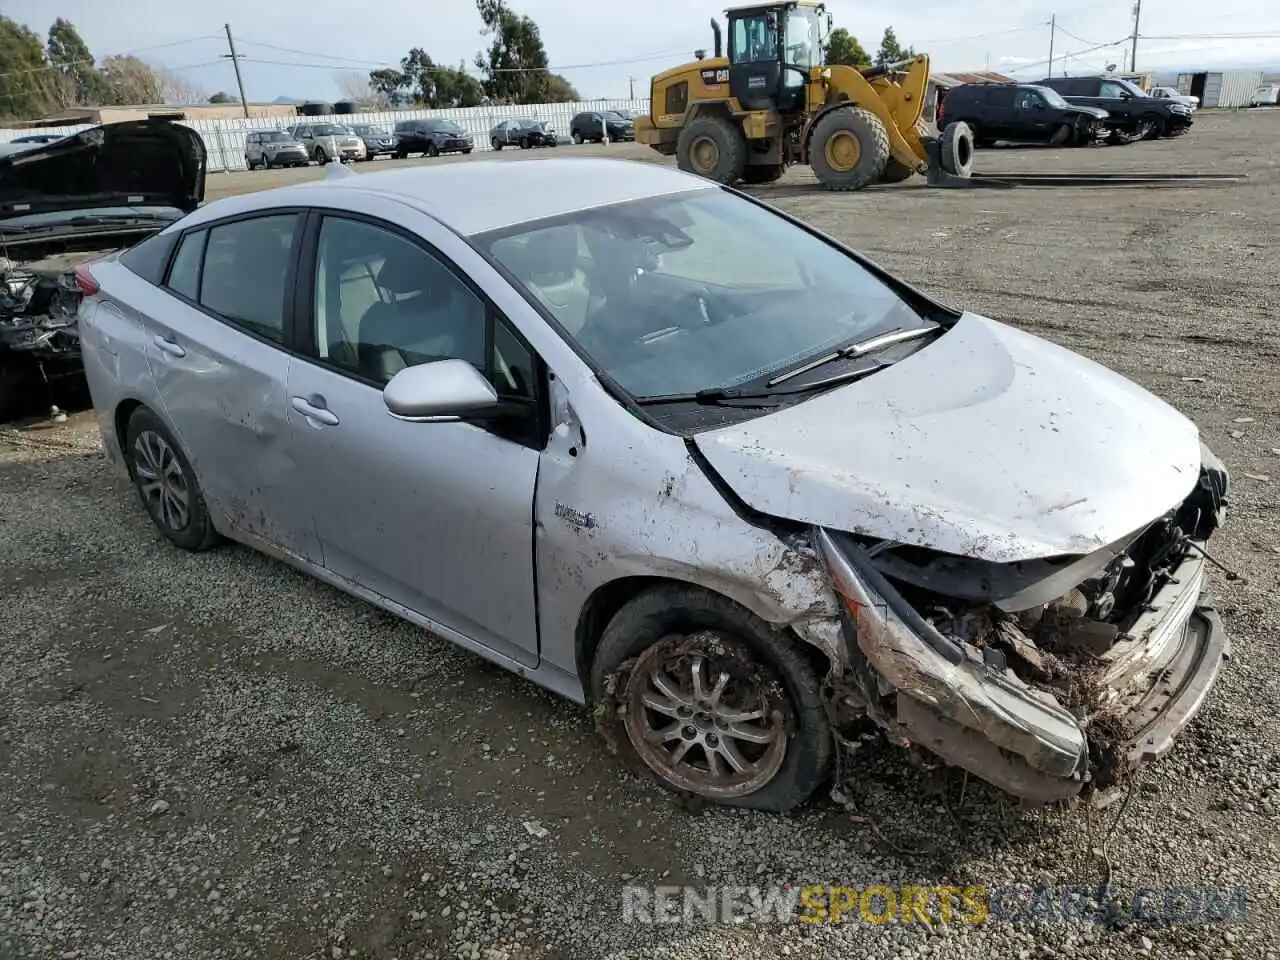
(176, 89)
(843, 47)
(560, 90)
(79, 81)
(126, 79)
(516, 63)
(221, 97)
(28, 88)
(454, 87)
(355, 87)
(389, 85)
(890, 51)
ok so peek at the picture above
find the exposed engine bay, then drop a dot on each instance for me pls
(1044, 677)
(38, 303)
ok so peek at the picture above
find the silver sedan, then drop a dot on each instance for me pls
(670, 453)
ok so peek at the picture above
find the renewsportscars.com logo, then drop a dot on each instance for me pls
(1012, 903)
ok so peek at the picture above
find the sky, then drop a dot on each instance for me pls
(608, 49)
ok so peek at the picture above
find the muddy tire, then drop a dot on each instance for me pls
(956, 149)
(1060, 135)
(895, 172)
(763, 173)
(166, 484)
(849, 149)
(713, 148)
(718, 682)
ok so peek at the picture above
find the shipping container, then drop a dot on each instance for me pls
(1223, 88)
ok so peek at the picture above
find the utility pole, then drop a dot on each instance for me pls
(235, 62)
(1133, 50)
(631, 87)
(1053, 29)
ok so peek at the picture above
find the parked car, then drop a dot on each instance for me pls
(617, 429)
(431, 138)
(63, 204)
(590, 126)
(1267, 95)
(524, 133)
(1019, 112)
(1132, 115)
(273, 148)
(1171, 93)
(378, 141)
(326, 142)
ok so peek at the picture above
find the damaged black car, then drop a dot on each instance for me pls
(67, 203)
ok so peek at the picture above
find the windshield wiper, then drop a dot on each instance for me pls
(108, 219)
(859, 348)
(730, 396)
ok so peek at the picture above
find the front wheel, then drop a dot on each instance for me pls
(433, 151)
(849, 149)
(497, 144)
(1153, 127)
(320, 156)
(166, 483)
(577, 137)
(711, 701)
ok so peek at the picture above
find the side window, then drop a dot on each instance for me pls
(753, 40)
(1110, 89)
(184, 272)
(384, 303)
(246, 265)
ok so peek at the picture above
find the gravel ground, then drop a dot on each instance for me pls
(213, 757)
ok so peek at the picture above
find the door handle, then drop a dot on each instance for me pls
(168, 346)
(319, 414)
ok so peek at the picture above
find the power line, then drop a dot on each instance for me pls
(443, 67)
(1071, 56)
(1212, 36)
(1079, 39)
(91, 61)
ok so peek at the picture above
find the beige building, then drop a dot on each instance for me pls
(162, 111)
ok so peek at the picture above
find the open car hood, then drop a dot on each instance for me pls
(988, 443)
(136, 163)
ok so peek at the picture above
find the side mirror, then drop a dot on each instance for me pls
(442, 391)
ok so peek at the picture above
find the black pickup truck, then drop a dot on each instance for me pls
(1132, 115)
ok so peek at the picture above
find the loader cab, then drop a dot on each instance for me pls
(772, 50)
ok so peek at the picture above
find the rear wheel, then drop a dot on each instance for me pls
(166, 483)
(577, 137)
(712, 147)
(711, 701)
(849, 149)
(497, 144)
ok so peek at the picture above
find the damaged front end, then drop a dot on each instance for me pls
(1047, 678)
(38, 304)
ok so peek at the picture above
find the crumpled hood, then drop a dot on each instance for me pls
(1095, 112)
(988, 443)
(135, 162)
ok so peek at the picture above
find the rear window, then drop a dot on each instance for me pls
(149, 258)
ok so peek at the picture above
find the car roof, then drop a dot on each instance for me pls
(483, 195)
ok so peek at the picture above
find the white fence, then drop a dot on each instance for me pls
(224, 139)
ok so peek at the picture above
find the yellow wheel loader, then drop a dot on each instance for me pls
(772, 102)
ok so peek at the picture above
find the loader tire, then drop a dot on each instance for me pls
(712, 147)
(849, 149)
(956, 148)
(763, 173)
(895, 171)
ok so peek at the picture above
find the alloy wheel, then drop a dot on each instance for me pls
(706, 715)
(161, 480)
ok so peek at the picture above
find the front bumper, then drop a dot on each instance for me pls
(287, 156)
(457, 146)
(965, 706)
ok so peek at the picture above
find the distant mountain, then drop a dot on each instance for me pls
(283, 99)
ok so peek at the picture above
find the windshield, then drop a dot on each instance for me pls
(695, 291)
(86, 217)
(1132, 88)
(529, 124)
(446, 126)
(329, 130)
(1051, 97)
(803, 37)
(276, 137)
(614, 115)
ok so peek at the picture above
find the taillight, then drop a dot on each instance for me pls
(84, 280)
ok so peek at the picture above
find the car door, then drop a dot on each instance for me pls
(252, 149)
(1116, 100)
(217, 356)
(1032, 116)
(436, 517)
